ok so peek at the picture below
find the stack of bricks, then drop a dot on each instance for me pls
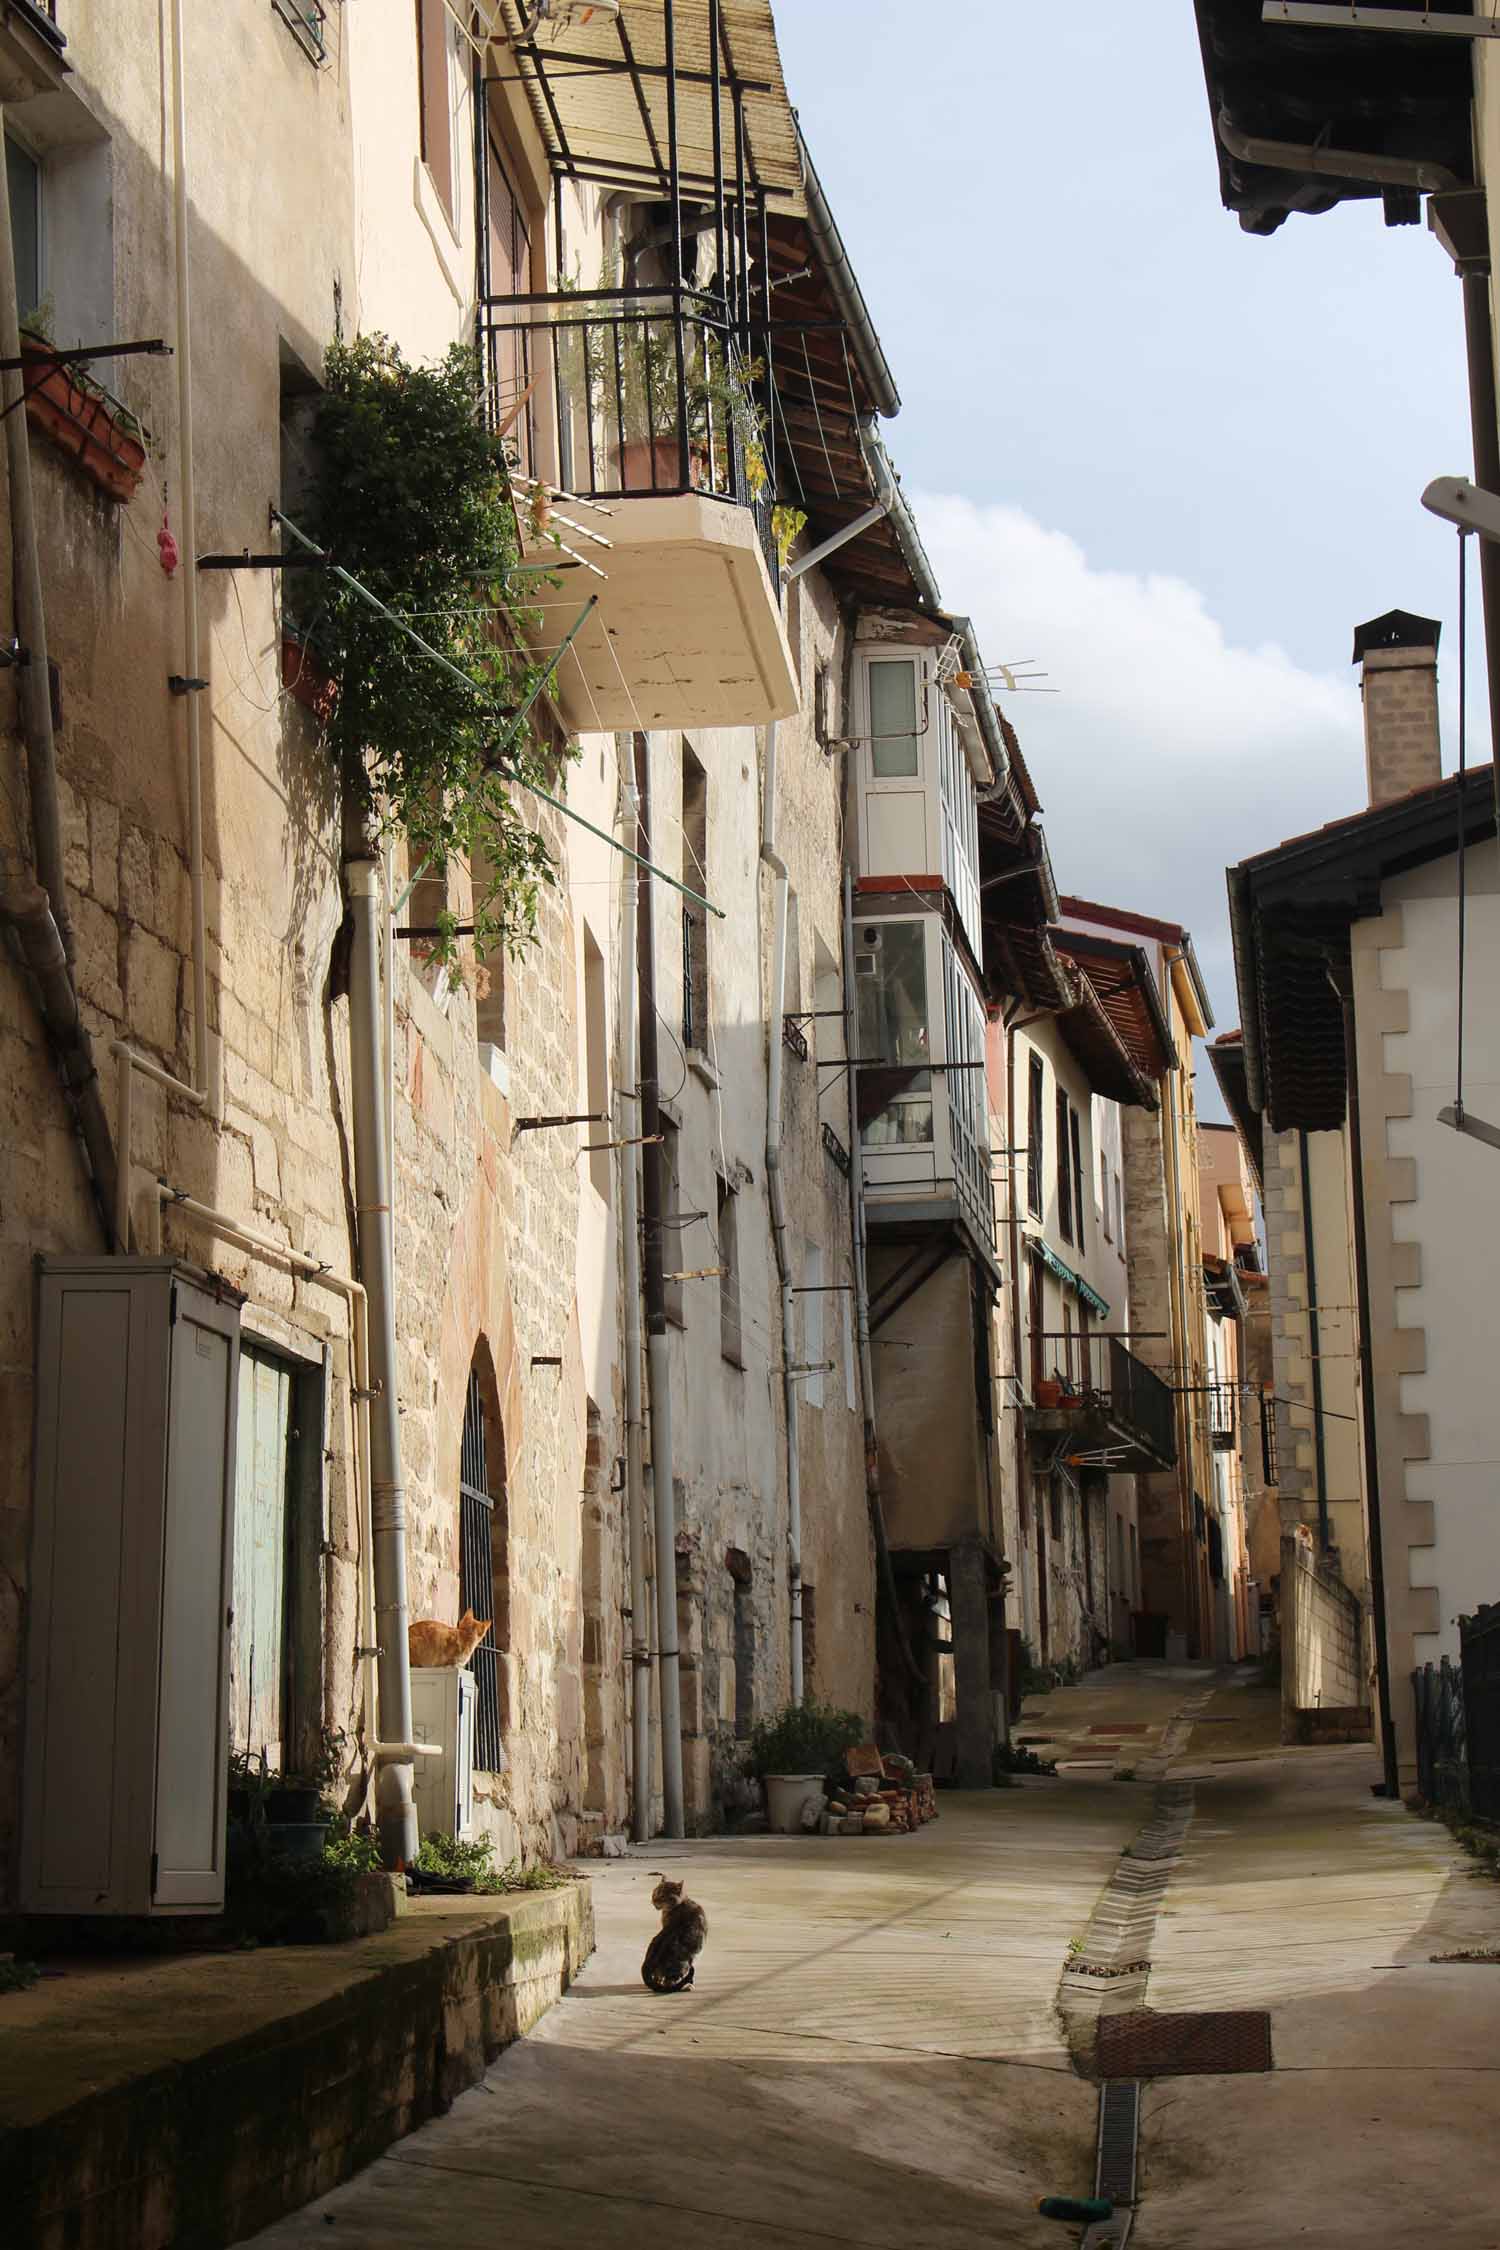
(885, 1796)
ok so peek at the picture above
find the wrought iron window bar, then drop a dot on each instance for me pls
(836, 1149)
(476, 1511)
(306, 20)
(793, 1036)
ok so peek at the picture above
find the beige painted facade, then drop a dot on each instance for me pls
(1077, 1552)
(1429, 1221)
(508, 1259)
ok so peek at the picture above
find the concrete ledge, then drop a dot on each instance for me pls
(189, 2102)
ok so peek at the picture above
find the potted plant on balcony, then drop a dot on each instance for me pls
(80, 417)
(793, 1751)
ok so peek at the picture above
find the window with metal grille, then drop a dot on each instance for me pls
(307, 20)
(476, 1519)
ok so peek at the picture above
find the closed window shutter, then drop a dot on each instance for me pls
(437, 122)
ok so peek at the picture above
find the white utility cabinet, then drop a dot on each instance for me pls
(127, 1663)
(442, 1712)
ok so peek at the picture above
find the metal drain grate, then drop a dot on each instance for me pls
(1144, 2044)
(1119, 2122)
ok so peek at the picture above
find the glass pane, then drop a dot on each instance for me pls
(893, 719)
(893, 1002)
(894, 1043)
(23, 180)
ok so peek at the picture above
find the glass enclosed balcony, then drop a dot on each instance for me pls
(920, 1077)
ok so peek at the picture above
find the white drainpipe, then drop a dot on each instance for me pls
(776, 1193)
(627, 1108)
(775, 1185)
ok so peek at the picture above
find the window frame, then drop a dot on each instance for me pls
(434, 42)
(1063, 1165)
(880, 743)
(1036, 1134)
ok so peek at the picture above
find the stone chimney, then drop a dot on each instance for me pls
(1397, 655)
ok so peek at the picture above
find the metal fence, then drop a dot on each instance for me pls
(1479, 1645)
(1442, 1758)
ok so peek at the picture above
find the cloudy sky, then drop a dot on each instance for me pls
(1173, 463)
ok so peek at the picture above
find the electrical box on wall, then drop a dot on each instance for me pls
(442, 1712)
(126, 1729)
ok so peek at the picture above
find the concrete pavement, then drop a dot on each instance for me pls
(870, 2054)
(873, 2051)
(1300, 1892)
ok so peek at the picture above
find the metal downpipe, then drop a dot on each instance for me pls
(1314, 1343)
(776, 1195)
(627, 1109)
(395, 1811)
(37, 910)
(659, 1358)
(1342, 980)
(187, 501)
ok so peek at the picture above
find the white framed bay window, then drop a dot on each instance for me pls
(918, 809)
(920, 1043)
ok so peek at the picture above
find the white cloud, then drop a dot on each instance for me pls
(1169, 752)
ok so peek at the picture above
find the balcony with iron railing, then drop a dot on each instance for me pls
(37, 19)
(1093, 1390)
(634, 420)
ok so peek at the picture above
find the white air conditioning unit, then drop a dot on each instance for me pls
(125, 1783)
(442, 1712)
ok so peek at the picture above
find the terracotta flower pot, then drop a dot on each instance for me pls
(81, 423)
(305, 680)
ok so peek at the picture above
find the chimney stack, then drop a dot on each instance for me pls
(1397, 655)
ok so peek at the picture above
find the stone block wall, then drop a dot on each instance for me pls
(1323, 1637)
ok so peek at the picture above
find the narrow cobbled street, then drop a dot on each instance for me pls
(892, 2041)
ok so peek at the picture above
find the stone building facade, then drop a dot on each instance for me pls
(508, 1260)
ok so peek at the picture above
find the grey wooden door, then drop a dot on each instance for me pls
(260, 1643)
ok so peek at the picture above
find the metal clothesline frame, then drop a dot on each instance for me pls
(436, 656)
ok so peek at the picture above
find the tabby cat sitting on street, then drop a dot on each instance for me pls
(668, 1966)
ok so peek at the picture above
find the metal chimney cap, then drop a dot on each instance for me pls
(1398, 628)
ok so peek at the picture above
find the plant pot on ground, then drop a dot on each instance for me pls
(791, 1751)
(786, 1799)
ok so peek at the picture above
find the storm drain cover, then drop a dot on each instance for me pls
(1119, 2124)
(1145, 2044)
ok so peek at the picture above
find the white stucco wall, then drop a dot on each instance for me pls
(1454, 1216)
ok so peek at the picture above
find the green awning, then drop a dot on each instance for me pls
(1066, 1275)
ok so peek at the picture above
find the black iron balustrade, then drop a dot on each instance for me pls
(43, 16)
(793, 1036)
(630, 394)
(1098, 1376)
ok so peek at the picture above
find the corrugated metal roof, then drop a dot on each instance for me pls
(600, 95)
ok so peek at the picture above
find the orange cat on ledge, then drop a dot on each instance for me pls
(445, 1647)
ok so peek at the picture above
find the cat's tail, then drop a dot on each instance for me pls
(663, 1969)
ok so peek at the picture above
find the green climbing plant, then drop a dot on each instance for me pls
(410, 496)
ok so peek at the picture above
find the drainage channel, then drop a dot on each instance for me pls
(1107, 1975)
